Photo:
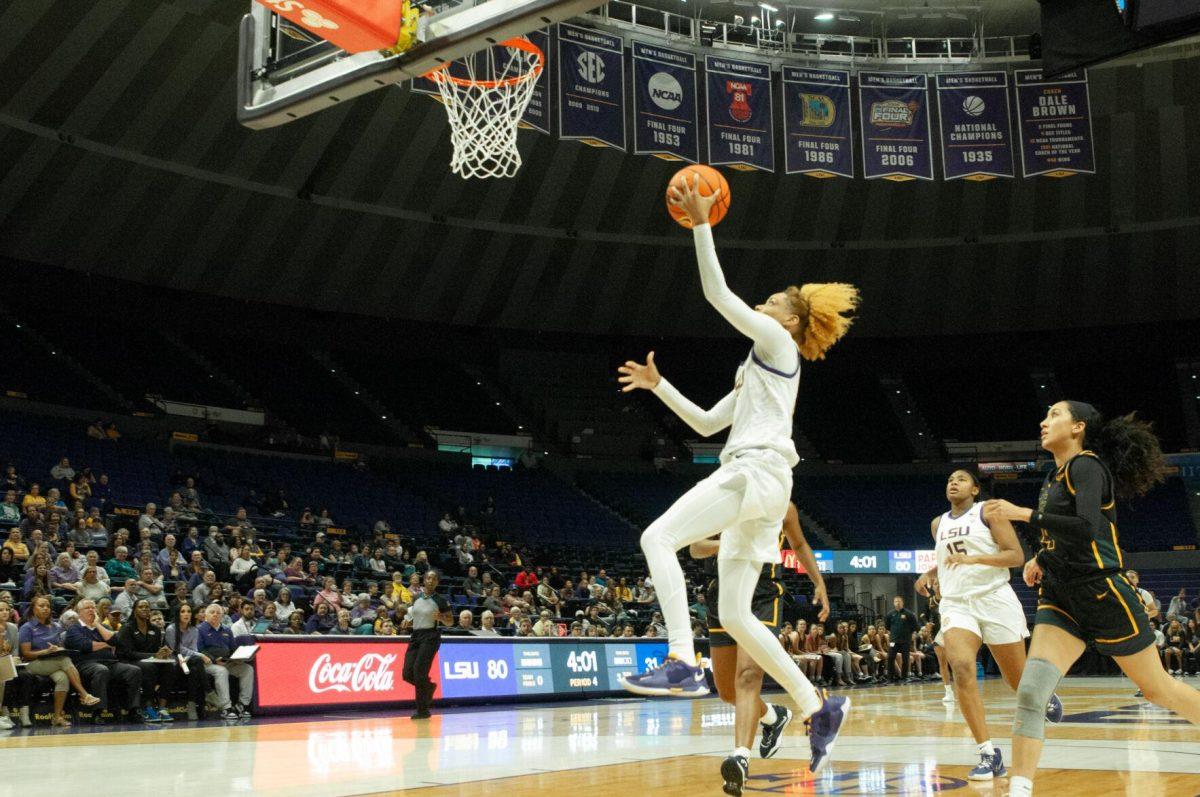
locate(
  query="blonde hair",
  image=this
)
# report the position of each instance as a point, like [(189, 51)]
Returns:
[(823, 309)]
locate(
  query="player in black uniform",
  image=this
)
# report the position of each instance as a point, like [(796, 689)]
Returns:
[(1084, 595), (738, 677)]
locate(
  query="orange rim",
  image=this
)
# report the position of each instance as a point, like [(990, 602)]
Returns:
[(439, 73)]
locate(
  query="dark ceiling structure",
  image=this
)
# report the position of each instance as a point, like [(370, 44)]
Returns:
[(120, 155)]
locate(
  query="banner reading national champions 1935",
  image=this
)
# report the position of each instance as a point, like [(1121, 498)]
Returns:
[(819, 138), (664, 103), (1054, 119), (974, 120), (894, 116), (740, 113), (591, 87)]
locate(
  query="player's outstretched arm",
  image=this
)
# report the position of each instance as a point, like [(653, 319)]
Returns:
[(646, 377), (808, 560)]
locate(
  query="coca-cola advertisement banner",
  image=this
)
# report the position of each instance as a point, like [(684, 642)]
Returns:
[(346, 673)]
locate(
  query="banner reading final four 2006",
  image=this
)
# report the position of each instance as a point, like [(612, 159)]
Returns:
[(740, 114), (1055, 120), (974, 121), (591, 87), (816, 122), (664, 103), (894, 114)]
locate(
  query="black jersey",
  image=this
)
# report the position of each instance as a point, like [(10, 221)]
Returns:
[(1077, 518), (770, 572)]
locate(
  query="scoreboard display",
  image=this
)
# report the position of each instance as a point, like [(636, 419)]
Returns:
[(898, 563)]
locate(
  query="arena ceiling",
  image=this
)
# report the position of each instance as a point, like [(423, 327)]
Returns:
[(120, 155)]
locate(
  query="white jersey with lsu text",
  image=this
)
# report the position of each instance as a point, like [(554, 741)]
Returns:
[(967, 534), (764, 402)]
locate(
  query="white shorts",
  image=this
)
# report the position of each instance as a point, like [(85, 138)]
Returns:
[(765, 481), (997, 617)]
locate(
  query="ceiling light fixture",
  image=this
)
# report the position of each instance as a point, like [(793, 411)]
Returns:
[(768, 7), (824, 16)]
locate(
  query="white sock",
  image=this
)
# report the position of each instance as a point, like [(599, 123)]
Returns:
[(744, 752), (770, 717), (1020, 787), (986, 748)]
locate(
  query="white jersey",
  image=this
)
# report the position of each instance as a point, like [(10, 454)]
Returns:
[(764, 401), (967, 534)]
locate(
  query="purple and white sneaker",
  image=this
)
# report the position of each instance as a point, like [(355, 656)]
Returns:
[(673, 678), (823, 730)]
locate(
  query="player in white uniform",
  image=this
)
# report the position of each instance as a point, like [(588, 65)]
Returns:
[(745, 499), (978, 606)]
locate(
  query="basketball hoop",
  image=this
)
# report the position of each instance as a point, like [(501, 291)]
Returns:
[(486, 106)]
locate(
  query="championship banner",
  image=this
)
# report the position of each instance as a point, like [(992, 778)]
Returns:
[(894, 116), (975, 124), (537, 113), (1054, 119), (740, 114), (591, 87), (664, 103), (816, 123)]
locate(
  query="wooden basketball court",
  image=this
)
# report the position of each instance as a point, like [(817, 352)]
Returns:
[(901, 740)]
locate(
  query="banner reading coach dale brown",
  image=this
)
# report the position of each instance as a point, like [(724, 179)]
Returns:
[(664, 103), (740, 114), (894, 115), (1054, 117)]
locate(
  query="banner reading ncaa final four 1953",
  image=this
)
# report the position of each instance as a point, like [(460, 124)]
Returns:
[(740, 114), (1054, 119), (664, 103), (591, 87), (537, 113), (819, 139), (894, 115), (974, 119)]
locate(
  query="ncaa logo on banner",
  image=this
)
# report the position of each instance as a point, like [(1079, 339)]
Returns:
[(590, 66), (893, 113), (819, 110), (973, 106), (739, 107), (665, 91)]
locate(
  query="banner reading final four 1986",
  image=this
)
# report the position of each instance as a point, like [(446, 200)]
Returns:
[(894, 115), (591, 87), (664, 103), (975, 125), (1054, 119), (819, 139), (740, 114)]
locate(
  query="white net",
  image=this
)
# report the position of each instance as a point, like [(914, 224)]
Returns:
[(485, 99)]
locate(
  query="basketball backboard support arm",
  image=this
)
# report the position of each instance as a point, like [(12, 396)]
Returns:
[(266, 100)]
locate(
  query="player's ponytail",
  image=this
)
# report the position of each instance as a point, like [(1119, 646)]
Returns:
[(1127, 445), (824, 310)]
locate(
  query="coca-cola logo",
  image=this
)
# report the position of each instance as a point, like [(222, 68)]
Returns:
[(371, 673)]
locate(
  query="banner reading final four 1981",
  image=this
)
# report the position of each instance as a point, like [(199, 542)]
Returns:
[(740, 114), (591, 87), (1054, 118), (664, 103), (894, 116), (819, 139), (975, 125)]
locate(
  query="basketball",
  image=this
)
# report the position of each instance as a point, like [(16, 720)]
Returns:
[(973, 106), (710, 180)]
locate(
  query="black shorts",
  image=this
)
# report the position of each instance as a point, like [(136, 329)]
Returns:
[(766, 605), (1106, 610)]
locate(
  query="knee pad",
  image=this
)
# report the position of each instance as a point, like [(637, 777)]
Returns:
[(1038, 682)]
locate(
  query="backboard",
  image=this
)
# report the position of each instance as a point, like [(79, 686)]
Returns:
[(285, 72)]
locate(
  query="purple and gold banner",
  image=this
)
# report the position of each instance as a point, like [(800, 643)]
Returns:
[(819, 138), (591, 87), (974, 119), (664, 103), (740, 114), (894, 117), (1054, 119)]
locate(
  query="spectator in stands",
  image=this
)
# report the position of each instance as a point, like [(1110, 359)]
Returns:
[(243, 569), (40, 644), (284, 607), (324, 519), (63, 575), (33, 498), (487, 624), (150, 589), (37, 582), (466, 621), (191, 496), (323, 618), (81, 535), (1178, 607), (448, 524), (1153, 607), (526, 579), (16, 544), (80, 489), (180, 594), (123, 603), (202, 592), (1172, 650), (10, 512), (193, 574), (63, 471), (12, 480), (216, 552), (182, 638), (363, 612), (545, 626), (101, 494), (494, 602), (547, 597), (307, 519), (1192, 656), (643, 593), (343, 626), (464, 554), (421, 564), (150, 520), (54, 500), (246, 622), (472, 586), (376, 564), (524, 627), (37, 539), (10, 568), (22, 684), (216, 645), (96, 659), (192, 542), (141, 639), (91, 587)]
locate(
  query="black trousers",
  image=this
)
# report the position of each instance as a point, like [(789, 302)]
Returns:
[(99, 675), (193, 682), (418, 661), (155, 681), (902, 648), (19, 692)]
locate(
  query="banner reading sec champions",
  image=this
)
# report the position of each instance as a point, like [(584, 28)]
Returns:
[(818, 137), (591, 87), (664, 103), (537, 113), (1054, 119), (894, 116), (976, 132), (740, 114)]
